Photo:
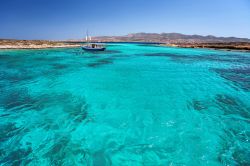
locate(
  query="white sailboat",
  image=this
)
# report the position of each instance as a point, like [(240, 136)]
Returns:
[(92, 46)]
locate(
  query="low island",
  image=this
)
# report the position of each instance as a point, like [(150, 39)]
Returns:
[(34, 44)]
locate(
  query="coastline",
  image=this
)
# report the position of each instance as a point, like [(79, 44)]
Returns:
[(233, 46), (36, 47), (44, 44), (35, 44)]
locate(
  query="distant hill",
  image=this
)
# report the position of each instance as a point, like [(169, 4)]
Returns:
[(174, 38)]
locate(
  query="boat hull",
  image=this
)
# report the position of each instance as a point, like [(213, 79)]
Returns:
[(93, 49)]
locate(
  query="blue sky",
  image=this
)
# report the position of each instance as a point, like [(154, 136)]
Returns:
[(69, 19)]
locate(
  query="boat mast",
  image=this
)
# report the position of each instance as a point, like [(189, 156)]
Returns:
[(87, 36)]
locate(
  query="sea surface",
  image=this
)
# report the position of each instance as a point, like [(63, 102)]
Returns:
[(132, 105)]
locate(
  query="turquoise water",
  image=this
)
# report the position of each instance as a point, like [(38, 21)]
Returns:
[(131, 105)]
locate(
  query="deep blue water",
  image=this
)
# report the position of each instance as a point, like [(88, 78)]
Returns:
[(130, 105)]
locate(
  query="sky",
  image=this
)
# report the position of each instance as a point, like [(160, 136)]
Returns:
[(69, 19)]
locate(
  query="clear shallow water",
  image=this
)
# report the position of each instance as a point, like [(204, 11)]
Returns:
[(131, 105)]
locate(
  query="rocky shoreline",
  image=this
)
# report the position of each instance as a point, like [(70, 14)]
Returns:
[(35, 44), (239, 46)]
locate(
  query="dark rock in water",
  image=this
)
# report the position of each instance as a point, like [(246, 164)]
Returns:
[(4, 56), (7, 131), (100, 62), (17, 76), (99, 158), (240, 77), (59, 66), (242, 156), (184, 58), (165, 55), (75, 107), (231, 153), (112, 52), (235, 133), (58, 147), (16, 98), (236, 59), (17, 157), (225, 99), (62, 149), (47, 59), (231, 105), (77, 110), (198, 105), (57, 152)]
